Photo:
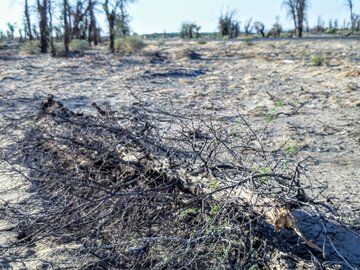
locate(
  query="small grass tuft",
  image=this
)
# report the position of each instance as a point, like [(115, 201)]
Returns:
[(291, 151), (318, 60), (214, 184)]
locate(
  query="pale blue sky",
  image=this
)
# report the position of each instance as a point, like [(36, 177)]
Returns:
[(150, 16)]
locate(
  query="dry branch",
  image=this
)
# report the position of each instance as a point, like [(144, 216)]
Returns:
[(143, 188)]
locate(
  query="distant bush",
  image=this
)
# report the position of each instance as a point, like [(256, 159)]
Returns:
[(318, 60), (31, 47), (202, 42), (129, 45), (330, 31), (228, 25), (190, 30), (79, 45)]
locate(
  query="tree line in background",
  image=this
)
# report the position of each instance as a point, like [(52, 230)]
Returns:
[(70, 20), (75, 20)]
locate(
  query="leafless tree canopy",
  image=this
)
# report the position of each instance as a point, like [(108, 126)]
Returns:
[(350, 5), (297, 11)]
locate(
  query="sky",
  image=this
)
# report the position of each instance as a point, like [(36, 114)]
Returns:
[(149, 16)]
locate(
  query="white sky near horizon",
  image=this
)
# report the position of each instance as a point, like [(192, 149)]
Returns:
[(149, 16)]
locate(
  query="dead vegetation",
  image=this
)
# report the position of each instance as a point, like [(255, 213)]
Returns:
[(144, 188)]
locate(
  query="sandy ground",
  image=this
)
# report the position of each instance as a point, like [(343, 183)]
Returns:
[(273, 83)]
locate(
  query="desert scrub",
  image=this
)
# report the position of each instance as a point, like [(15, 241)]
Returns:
[(79, 45), (129, 45), (318, 60), (31, 47)]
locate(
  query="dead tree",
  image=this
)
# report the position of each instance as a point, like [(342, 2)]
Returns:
[(52, 46), (132, 193), (28, 21), (290, 5), (78, 17), (350, 5), (42, 6), (111, 16), (111, 8), (247, 27), (66, 27), (260, 28), (297, 11), (92, 35)]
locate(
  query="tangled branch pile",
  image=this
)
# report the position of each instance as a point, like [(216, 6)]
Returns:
[(144, 189)]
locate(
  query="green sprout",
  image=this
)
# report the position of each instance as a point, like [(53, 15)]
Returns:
[(270, 118), (278, 104), (214, 210), (214, 184), (264, 170), (291, 150), (187, 212)]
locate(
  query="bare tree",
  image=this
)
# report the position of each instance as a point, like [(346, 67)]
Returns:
[(11, 30), (110, 11), (248, 27), (66, 26), (28, 21), (42, 6), (297, 11), (124, 19), (259, 27), (290, 6), (79, 15), (52, 46), (111, 8), (350, 6), (92, 35)]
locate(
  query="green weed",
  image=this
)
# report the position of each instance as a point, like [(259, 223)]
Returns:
[(214, 210), (187, 212), (214, 184), (291, 151), (318, 60)]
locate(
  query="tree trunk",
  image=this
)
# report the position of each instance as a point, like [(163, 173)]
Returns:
[(53, 50), (28, 22), (66, 27), (350, 4), (92, 36), (44, 29), (300, 12), (112, 31), (110, 15)]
